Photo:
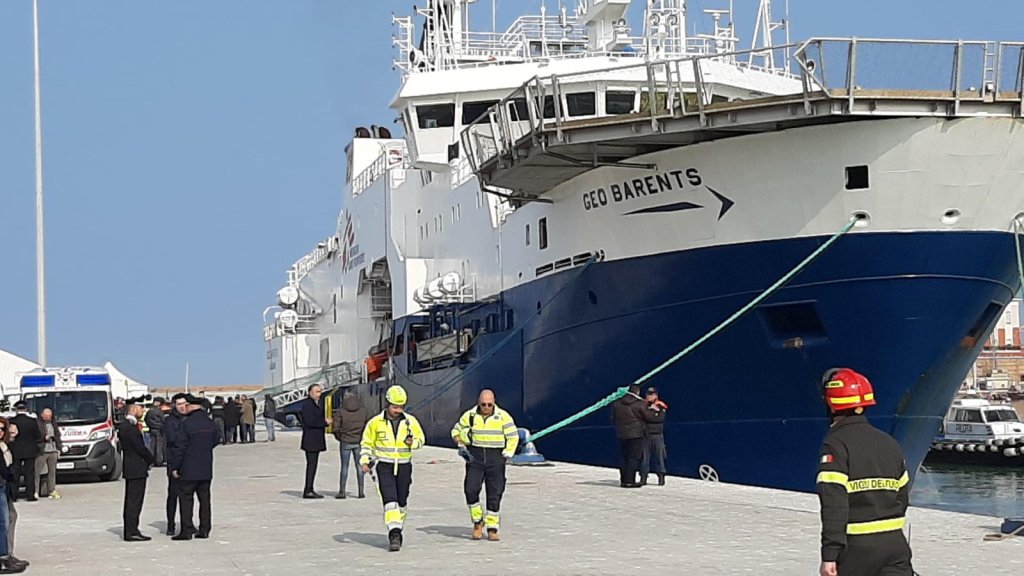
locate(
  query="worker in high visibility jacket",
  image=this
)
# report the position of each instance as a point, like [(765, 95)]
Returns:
[(388, 441), (863, 486), (487, 438)]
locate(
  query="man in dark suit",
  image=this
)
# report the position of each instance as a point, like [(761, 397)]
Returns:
[(314, 440), (25, 449), (136, 461), (191, 462), (172, 428)]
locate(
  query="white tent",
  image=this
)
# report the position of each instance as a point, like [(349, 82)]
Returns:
[(123, 386), (12, 366)]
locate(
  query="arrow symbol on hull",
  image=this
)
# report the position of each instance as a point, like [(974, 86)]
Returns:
[(726, 203)]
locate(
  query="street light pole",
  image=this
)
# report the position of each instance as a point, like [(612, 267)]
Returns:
[(40, 263)]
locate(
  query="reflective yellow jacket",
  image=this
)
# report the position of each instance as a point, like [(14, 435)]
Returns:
[(380, 443), (494, 431)]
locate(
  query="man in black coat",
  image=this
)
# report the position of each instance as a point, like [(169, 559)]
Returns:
[(136, 461), (192, 463), (314, 441), (172, 429), (155, 421), (25, 449), (628, 418)]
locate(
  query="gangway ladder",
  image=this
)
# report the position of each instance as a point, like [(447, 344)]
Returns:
[(990, 82)]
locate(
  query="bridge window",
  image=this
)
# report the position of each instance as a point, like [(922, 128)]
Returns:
[(619, 102), (473, 111), (518, 110), (436, 116), (581, 103)]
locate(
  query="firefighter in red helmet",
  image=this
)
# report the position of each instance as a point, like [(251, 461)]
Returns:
[(863, 486)]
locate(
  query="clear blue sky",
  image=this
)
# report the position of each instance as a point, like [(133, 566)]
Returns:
[(195, 149)]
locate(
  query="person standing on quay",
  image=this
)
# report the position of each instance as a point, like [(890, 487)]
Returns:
[(192, 463), (314, 440), (136, 462)]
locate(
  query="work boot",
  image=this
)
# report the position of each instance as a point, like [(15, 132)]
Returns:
[(643, 480), (661, 479), (17, 562), (394, 540), (340, 496), (171, 529), (492, 534), (478, 530)]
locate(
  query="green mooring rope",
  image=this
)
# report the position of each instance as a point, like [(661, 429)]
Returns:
[(1017, 228), (619, 393)]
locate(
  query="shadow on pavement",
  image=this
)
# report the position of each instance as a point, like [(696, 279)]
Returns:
[(374, 540), (460, 532)]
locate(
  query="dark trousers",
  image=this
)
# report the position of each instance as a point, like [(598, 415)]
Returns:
[(654, 453), (394, 487), (312, 460), (189, 491), (486, 469), (220, 430), (173, 497), (630, 453), (26, 466), (886, 554), (230, 434), (134, 494), (157, 445)]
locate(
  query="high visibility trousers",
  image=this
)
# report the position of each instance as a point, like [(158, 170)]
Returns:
[(884, 554), (394, 492), (484, 470)]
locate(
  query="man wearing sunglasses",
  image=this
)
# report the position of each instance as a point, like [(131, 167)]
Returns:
[(489, 436)]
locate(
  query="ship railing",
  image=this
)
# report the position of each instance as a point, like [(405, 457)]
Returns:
[(303, 265), (952, 71), (391, 156), (678, 87), (854, 72)]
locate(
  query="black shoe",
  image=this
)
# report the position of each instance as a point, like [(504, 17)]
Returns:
[(312, 495), (643, 480), (137, 538), (629, 485), (202, 535), (33, 499), (18, 563), (8, 567), (661, 479), (394, 540), (171, 529), (361, 495), (184, 535), (340, 496)]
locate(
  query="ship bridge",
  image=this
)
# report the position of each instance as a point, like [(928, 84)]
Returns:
[(537, 137)]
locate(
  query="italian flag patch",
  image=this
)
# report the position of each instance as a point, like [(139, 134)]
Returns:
[(827, 459)]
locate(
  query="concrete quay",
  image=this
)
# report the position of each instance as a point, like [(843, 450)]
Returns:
[(563, 519)]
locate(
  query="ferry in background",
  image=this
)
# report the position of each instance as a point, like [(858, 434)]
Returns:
[(573, 202)]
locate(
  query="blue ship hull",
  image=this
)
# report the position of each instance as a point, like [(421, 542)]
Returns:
[(909, 310)]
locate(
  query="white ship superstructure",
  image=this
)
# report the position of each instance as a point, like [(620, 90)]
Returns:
[(572, 203)]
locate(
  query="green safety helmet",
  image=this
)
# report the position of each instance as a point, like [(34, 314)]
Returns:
[(396, 395)]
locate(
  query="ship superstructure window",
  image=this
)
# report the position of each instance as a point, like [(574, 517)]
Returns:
[(527, 234), (581, 103), (473, 111), (856, 177), (436, 116), (542, 233), (619, 102), (518, 110), (549, 107)]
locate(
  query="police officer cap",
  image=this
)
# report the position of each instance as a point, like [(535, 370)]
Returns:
[(20, 405), (193, 399), (652, 390)]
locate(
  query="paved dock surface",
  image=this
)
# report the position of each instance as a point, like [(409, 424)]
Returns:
[(560, 520)]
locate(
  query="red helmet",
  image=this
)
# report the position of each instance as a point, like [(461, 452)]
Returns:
[(846, 390)]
